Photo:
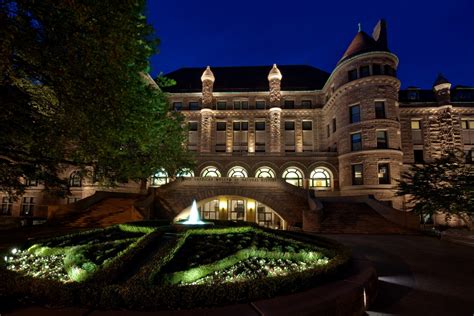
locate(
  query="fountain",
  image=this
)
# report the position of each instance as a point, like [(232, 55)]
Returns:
[(193, 218)]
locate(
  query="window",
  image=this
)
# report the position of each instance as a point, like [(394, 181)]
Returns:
[(389, 71), (415, 124), (259, 126), (328, 130), (289, 104), (376, 69), (352, 74), (418, 156), (354, 113), (27, 206), (379, 109), (7, 205), (193, 126), (320, 178), (185, 173), (413, 95), (241, 105), (364, 71), (159, 178), (31, 182), (260, 105), (289, 136), (384, 173), (306, 104), (356, 142), (293, 176), (210, 171), (210, 210), (221, 126), (357, 174), (289, 126), (194, 106), (334, 125), (75, 180), (221, 105), (237, 210), (468, 155), (307, 125), (237, 172), (177, 106), (467, 123), (260, 136), (265, 172), (240, 136), (382, 142)]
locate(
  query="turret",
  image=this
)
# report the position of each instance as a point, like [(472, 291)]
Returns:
[(442, 90), (207, 80), (274, 81)]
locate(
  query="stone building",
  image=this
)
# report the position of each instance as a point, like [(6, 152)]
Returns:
[(350, 132)]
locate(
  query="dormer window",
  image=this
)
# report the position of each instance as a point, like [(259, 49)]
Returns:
[(413, 95), (352, 74)]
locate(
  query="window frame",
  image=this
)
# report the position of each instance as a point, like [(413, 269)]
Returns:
[(353, 147)]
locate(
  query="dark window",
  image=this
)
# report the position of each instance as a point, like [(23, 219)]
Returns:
[(27, 206), (244, 105), (376, 69), (194, 106), (221, 105), (418, 155), (328, 130), (352, 74), (307, 125), (333, 125), (382, 142), (306, 104), (259, 126), (357, 174), (193, 126), (260, 105), (220, 126), (413, 95), (384, 173), (379, 110), (177, 106), (469, 155), (389, 71), (31, 182), (289, 104), (354, 113), (7, 206), (364, 71), (75, 180), (289, 126), (241, 126), (237, 105), (356, 142)]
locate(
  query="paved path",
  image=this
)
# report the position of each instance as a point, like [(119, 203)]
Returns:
[(418, 275)]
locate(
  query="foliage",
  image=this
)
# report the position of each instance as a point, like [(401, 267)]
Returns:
[(74, 92), (444, 185)]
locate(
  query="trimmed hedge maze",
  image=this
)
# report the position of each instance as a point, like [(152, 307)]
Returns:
[(149, 265)]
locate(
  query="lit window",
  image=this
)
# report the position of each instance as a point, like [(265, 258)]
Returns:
[(237, 172), (384, 173), (75, 180), (293, 176), (159, 178), (354, 113), (357, 174), (413, 95), (210, 171), (265, 172), (186, 172), (221, 126), (467, 124), (415, 124), (320, 178), (418, 156), (356, 142), (27, 206)]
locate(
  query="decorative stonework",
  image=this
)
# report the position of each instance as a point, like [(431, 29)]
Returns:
[(207, 79), (444, 134), (274, 80), (206, 130), (275, 133)]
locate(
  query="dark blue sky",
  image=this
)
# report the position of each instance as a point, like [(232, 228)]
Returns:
[(428, 36)]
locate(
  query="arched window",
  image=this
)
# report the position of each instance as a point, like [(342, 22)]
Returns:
[(237, 172), (293, 176), (186, 172), (210, 171), (320, 178), (159, 178), (265, 172), (75, 180)]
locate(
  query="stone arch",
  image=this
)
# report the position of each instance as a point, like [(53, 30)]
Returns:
[(296, 164), (324, 164), (234, 164), (203, 165), (265, 164)]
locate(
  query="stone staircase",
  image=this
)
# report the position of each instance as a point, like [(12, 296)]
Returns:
[(351, 217), (107, 212)]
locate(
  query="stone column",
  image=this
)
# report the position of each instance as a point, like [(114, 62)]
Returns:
[(274, 81), (206, 130)]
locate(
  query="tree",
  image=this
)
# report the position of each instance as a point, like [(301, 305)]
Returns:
[(445, 185), (73, 92)]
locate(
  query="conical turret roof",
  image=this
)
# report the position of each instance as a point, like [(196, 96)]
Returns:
[(440, 80), (208, 75), (361, 43), (274, 73)]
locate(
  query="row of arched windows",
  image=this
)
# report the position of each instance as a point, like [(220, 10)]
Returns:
[(319, 178)]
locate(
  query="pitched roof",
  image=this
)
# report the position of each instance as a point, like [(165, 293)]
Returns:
[(361, 43), (248, 78)]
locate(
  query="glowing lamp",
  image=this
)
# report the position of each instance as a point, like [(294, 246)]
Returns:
[(251, 205), (222, 205)]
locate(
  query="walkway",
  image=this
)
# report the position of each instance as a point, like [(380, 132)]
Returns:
[(418, 275)]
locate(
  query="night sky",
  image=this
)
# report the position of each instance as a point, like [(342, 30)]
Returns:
[(427, 36)]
